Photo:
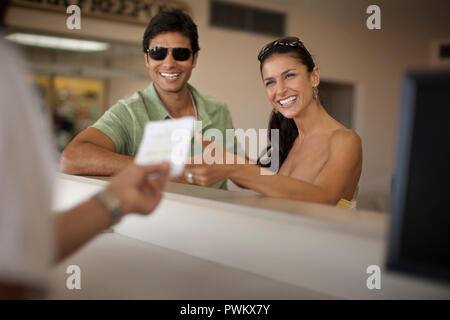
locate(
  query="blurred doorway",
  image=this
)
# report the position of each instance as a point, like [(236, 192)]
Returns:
[(338, 99)]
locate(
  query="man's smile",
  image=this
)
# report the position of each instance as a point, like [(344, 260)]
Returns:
[(170, 75)]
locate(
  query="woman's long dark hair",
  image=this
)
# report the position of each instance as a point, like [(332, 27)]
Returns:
[(288, 131)]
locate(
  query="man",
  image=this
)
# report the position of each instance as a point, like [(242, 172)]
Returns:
[(30, 239), (171, 50)]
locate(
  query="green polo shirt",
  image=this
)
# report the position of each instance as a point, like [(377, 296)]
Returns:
[(124, 122)]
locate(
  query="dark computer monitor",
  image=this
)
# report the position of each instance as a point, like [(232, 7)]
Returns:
[(419, 237)]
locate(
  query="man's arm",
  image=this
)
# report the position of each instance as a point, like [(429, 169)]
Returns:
[(12, 291), (139, 189), (92, 152), (19, 291)]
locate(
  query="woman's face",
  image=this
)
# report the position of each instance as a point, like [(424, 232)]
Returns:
[(289, 85)]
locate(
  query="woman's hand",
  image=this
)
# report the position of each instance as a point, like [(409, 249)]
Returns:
[(207, 174), (213, 165)]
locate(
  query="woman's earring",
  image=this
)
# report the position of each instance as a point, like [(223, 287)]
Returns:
[(315, 93), (275, 111)]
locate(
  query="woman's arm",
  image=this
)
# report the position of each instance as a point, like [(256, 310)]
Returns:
[(328, 187)]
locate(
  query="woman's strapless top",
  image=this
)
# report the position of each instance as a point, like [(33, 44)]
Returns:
[(343, 203), (346, 204)]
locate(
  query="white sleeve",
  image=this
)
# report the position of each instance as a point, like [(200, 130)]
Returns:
[(26, 175)]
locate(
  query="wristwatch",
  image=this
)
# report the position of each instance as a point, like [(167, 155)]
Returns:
[(111, 203)]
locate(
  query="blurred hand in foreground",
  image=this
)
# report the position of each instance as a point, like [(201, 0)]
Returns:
[(139, 188)]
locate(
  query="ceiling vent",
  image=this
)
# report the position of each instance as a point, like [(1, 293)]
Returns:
[(245, 18)]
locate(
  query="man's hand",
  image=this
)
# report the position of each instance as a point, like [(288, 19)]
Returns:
[(139, 188)]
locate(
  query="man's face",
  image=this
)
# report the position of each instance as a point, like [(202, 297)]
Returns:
[(170, 75)]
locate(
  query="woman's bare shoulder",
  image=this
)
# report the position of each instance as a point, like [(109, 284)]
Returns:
[(345, 139)]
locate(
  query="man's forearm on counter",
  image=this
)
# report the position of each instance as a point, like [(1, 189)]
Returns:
[(89, 159)]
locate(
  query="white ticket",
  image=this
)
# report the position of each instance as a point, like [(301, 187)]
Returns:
[(166, 140)]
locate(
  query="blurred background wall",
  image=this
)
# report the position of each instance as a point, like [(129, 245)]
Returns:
[(358, 66)]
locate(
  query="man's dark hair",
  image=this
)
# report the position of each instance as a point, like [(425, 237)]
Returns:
[(171, 21)]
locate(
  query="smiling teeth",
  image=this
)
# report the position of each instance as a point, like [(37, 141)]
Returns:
[(288, 100), (170, 75)]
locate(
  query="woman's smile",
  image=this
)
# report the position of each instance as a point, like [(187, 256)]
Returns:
[(287, 102)]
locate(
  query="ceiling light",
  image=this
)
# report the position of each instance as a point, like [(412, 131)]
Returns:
[(57, 42)]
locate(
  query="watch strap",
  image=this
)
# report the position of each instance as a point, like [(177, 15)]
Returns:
[(111, 203)]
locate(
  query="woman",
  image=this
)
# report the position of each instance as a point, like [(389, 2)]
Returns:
[(320, 160)]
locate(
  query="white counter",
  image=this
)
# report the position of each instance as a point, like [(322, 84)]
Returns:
[(202, 243)]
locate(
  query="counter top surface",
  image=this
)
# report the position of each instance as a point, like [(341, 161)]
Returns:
[(365, 223), (217, 244), (147, 271)]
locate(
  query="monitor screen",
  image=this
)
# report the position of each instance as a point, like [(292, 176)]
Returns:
[(419, 238)]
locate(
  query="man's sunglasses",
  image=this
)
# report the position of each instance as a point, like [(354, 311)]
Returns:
[(178, 53), (286, 41)]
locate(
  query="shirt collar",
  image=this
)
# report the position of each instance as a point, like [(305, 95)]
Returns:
[(157, 110), (154, 105)]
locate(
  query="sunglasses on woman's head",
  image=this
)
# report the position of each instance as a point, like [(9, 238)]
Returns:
[(178, 53), (286, 41)]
